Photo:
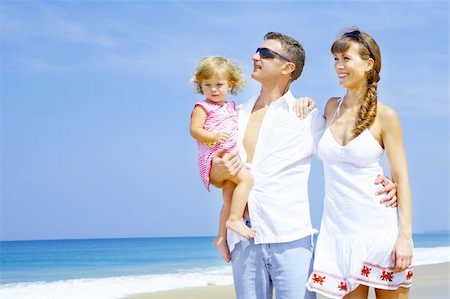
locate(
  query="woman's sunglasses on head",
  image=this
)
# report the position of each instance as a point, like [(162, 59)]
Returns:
[(266, 53), (357, 35)]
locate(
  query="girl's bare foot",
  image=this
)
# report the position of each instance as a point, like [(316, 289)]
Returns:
[(222, 245), (239, 227)]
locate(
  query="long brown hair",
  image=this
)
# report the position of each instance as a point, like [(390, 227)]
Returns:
[(368, 48)]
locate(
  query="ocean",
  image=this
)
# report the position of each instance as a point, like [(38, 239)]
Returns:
[(115, 268)]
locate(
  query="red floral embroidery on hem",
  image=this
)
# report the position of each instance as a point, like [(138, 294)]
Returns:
[(409, 275), (365, 271), (319, 279), (342, 286), (384, 268), (387, 276)]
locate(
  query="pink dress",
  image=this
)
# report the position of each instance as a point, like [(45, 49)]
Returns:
[(220, 118)]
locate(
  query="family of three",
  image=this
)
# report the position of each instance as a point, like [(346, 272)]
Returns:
[(260, 156)]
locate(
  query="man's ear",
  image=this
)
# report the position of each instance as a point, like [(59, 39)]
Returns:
[(288, 68)]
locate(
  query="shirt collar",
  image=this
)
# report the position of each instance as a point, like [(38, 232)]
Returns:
[(285, 101)]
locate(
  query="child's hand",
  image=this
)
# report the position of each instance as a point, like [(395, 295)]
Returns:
[(221, 137), (302, 106)]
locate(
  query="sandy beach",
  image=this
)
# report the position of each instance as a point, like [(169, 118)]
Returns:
[(430, 282)]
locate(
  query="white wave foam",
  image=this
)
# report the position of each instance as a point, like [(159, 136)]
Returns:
[(115, 287), (119, 287), (428, 256)]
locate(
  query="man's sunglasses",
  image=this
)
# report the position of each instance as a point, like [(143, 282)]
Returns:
[(357, 35), (269, 54)]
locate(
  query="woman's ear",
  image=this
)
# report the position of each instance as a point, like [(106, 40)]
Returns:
[(370, 63)]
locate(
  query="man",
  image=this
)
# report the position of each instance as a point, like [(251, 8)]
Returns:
[(278, 146)]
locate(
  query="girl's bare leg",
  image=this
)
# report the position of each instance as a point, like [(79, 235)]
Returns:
[(221, 240), (361, 292), (400, 293), (244, 184)]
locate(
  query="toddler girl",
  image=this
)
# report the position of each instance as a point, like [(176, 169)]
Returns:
[(214, 126)]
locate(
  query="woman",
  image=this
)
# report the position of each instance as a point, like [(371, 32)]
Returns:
[(361, 243)]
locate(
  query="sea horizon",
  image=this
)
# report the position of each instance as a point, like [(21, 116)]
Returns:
[(432, 232)]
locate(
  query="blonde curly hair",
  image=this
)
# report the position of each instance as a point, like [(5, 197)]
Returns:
[(212, 66)]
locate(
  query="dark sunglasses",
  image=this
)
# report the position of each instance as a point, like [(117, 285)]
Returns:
[(269, 54), (357, 35)]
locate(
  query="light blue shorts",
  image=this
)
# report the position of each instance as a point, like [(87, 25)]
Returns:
[(285, 267)]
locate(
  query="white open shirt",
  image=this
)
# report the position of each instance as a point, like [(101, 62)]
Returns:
[(278, 202)]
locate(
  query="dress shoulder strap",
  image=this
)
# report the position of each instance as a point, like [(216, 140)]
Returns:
[(207, 106), (337, 112)]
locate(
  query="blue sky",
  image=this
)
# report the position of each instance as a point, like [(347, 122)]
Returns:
[(96, 102)]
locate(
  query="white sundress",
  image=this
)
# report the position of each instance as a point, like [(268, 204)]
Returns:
[(357, 233)]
